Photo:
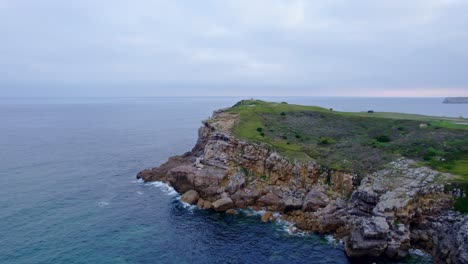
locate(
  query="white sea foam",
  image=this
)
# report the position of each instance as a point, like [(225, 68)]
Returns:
[(187, 206), (166, 188), (140, 193), (332, 240), (138, 181), (250, 212), (418, 252), (286, 226), (102, 204)]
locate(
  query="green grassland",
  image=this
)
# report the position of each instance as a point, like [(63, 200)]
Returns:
[(357, 142)]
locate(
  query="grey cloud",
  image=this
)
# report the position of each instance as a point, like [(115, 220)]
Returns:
[(312, 47)]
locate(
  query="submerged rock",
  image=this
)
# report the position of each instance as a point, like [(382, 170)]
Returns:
[(231, 212), (267, 217)]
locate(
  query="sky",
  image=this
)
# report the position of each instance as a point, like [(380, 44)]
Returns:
[(233, 48)]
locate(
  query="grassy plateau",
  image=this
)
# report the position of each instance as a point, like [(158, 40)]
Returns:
[(358, 142)]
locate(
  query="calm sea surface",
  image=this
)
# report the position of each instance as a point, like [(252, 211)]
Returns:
[(68, 192)]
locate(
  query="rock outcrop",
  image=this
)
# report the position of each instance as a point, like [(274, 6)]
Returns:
[(386, 213)]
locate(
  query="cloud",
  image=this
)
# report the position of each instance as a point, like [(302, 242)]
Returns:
[(310, 46)]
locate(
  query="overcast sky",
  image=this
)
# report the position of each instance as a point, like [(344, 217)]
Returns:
[(233, 47)]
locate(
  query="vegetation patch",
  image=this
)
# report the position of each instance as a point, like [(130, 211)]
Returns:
[(358, 142)]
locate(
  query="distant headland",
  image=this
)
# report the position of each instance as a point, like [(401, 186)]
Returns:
[(456, 100)]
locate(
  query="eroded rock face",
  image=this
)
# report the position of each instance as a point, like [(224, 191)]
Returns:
[(389, 212)]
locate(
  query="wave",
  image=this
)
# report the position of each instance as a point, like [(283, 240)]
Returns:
[(185, 205), (102, 204), (166, 188)]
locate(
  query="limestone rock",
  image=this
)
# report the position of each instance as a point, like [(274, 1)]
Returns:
[(267, 217), (369, 238), (314, 200), (269, 199), (207, 205), (223, 204), (190, 197), (200, 203), (236, 182), (291, 203)]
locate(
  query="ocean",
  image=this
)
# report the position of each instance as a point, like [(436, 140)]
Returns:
[(69, 194)]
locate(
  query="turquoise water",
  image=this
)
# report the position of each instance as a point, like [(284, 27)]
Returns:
[(69, 195)]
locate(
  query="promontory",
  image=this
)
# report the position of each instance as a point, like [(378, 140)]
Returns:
[(383, 183), (456, 100)]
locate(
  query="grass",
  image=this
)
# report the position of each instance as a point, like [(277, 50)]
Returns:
[(357, 142)]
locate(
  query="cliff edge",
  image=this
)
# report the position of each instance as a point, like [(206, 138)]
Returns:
[(282, 158)]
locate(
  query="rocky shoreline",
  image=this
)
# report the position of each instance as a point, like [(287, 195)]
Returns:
[(384, 214)]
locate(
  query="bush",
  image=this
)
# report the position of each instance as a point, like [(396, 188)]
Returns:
[(430, 153), (259, 129), (263, 177), (326, 141), (383, 139), (262, 134), (283, 113)]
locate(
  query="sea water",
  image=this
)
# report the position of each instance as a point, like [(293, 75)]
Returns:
[(68, 192)]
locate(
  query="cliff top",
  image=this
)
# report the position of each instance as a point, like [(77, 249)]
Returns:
[(353, 141)]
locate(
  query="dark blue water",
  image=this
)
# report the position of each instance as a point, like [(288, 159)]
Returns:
[(68, 192)]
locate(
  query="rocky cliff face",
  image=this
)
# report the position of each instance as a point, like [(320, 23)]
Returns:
[(390, 211)]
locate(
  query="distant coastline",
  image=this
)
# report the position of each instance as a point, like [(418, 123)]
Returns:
[(455, 100)]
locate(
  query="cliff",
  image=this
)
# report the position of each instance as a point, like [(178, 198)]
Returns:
[(379, 211)]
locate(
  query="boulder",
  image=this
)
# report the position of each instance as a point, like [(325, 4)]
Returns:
[(269, 199), (207, 205), (245, 197), (291, 203), (267, 217), (368, 238), (314, 200), (223, 204), (200, 203), (190, 197)]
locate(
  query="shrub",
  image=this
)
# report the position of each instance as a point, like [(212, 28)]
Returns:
[(326, 140), (262, 134), (283, 113), (263, 177), (431, 152), (259, 129), (383, 139)]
